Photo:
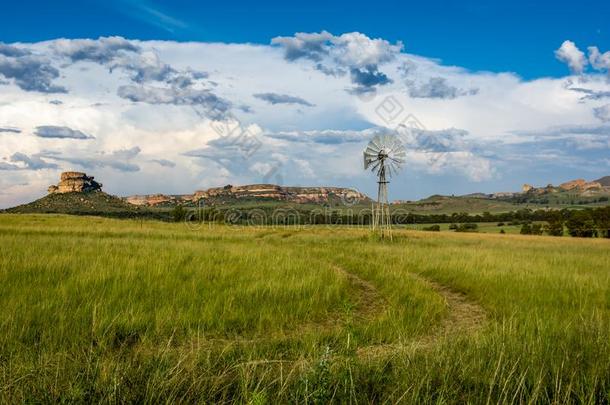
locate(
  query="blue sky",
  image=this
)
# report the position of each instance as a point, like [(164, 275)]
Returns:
[(502, 36), (173, 97)]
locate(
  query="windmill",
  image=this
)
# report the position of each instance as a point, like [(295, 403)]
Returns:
[(384, 155)]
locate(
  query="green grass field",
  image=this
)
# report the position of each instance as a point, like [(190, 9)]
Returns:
[(103, 310)]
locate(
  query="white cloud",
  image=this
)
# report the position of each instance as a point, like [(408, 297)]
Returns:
[(603, 112), (569, 53), (599, 61)]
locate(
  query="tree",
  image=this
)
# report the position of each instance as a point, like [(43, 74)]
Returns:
[(554, 225), (581, 224), (526, 229), (601, 218), (536, 229), (178, 213)]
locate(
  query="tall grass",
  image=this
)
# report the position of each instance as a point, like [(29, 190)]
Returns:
[(100, 310)]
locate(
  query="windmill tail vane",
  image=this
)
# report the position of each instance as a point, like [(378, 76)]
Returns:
[(384, 156)]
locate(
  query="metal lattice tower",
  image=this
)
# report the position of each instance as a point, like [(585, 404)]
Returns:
[(384, 155)]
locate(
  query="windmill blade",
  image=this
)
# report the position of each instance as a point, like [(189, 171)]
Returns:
[(376, 165), (376, 142), (371, 151), (400, 151), (388, 167), (395, 166), (397, 160), (399, 148), (396, 146), (368, 160)]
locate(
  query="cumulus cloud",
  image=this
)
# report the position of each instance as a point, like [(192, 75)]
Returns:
[(569, 53), (12, 51), (117, 160), (30, 72), (10, 130), (52, 131), (357, 50), (25, 162), (568, 137), (213, 106), (476, 168), (436, 87), (275, 98), (313, 46), (7, 166), (328, 136), (603, 113), (33, 162), (164, 162), (443, 140), (335, 55), (144, 65), (591, 94), (101, 50), (368, 77), (567, 130), (599, 61)]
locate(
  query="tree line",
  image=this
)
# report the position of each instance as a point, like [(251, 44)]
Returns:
[(588, 222)]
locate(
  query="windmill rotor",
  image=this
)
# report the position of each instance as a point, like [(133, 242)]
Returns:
[(384, 156)]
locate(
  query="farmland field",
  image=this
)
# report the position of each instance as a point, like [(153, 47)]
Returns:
[(107, 310)]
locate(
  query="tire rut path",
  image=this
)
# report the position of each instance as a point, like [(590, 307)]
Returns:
[(464, 317)]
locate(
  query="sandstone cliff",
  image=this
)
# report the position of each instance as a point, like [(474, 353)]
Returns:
[(580, 184), (300, 195), (75, 182)]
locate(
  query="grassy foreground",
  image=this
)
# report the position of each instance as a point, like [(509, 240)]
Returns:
[(102, 310)]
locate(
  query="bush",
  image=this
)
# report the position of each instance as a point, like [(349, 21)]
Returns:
[(581, 224), (178, 213), (502, 231), (433, 228), (453, 227), (500, 223), (601, 218), (554, 226), (526, 229), (468, 227), (536, 229)]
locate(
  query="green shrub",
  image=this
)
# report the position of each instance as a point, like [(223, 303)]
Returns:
[(468, 227)]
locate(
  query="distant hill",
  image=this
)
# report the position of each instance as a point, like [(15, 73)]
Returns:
[(604, 181), (81, 203), (79, 194)]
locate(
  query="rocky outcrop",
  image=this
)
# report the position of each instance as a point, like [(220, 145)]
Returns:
[(75, 182), (153, 199), (300, 195), (569, 185), (580, 185)]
